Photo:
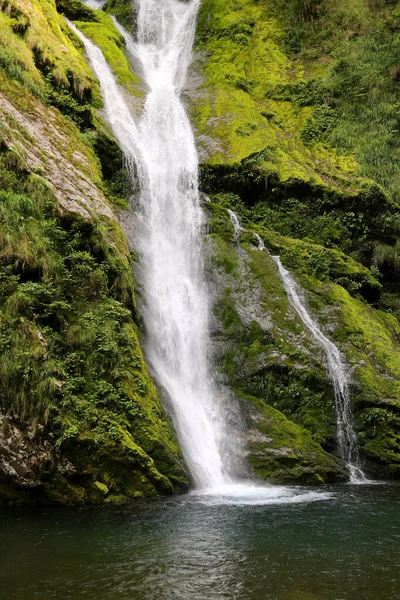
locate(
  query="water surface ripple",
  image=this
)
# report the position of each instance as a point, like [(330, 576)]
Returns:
[(196, 547)]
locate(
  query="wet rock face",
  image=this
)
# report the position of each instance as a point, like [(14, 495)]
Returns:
[(267, 355), (264, 354), (28, 464), (280, 144), (70, 174)]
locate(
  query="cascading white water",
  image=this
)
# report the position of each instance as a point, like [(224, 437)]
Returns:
[(176, 310), (118, 114), (175, 307), (161, 152), (261, 245), (237, 227), (346, 437)]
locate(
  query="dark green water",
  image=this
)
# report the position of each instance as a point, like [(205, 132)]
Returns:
[(189, 548)]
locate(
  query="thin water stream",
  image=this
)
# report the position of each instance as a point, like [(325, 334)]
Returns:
[(346, 436)]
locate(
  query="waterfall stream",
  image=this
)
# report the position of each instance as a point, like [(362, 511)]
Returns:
[(237, 227), (176, 307), (346, 437), (176, 310)]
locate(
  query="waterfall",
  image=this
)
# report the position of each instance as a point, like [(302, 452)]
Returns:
[(160, 152), (175, 307), (176, 310), (237, 227), (346, 437), (261, 245)]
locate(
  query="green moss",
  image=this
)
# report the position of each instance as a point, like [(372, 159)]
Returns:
[(125, 12), (105, 35), (282, 452), (351, 50), (70, 353), (103, 489), (35, 41), (267, 353), (265, 350), (239, 108)]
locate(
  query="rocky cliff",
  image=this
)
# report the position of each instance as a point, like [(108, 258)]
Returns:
[(295, 105)]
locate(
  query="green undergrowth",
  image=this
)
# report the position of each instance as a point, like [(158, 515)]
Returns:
[(70, 359), (351, 239), (35, 42), (304, 256), (238, 112), (349, 53)]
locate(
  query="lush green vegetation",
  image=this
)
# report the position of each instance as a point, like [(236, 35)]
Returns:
[(297, 118), (267, 353), (70, 358), (280, 143), (281, 140), (57, 74), (75, 384), (356, 91)]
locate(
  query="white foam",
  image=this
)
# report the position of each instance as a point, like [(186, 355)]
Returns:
[(253, 495)]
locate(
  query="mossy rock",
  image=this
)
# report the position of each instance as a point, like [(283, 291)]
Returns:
[(105, 35), (282, 452), (264, 351)]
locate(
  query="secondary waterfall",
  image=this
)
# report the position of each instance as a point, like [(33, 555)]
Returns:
[(261, 245), (175, 310), (237, 227), (346, 437)]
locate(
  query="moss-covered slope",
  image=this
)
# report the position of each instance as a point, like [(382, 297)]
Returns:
[(265, 353), (295, 105), (81, 420)]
